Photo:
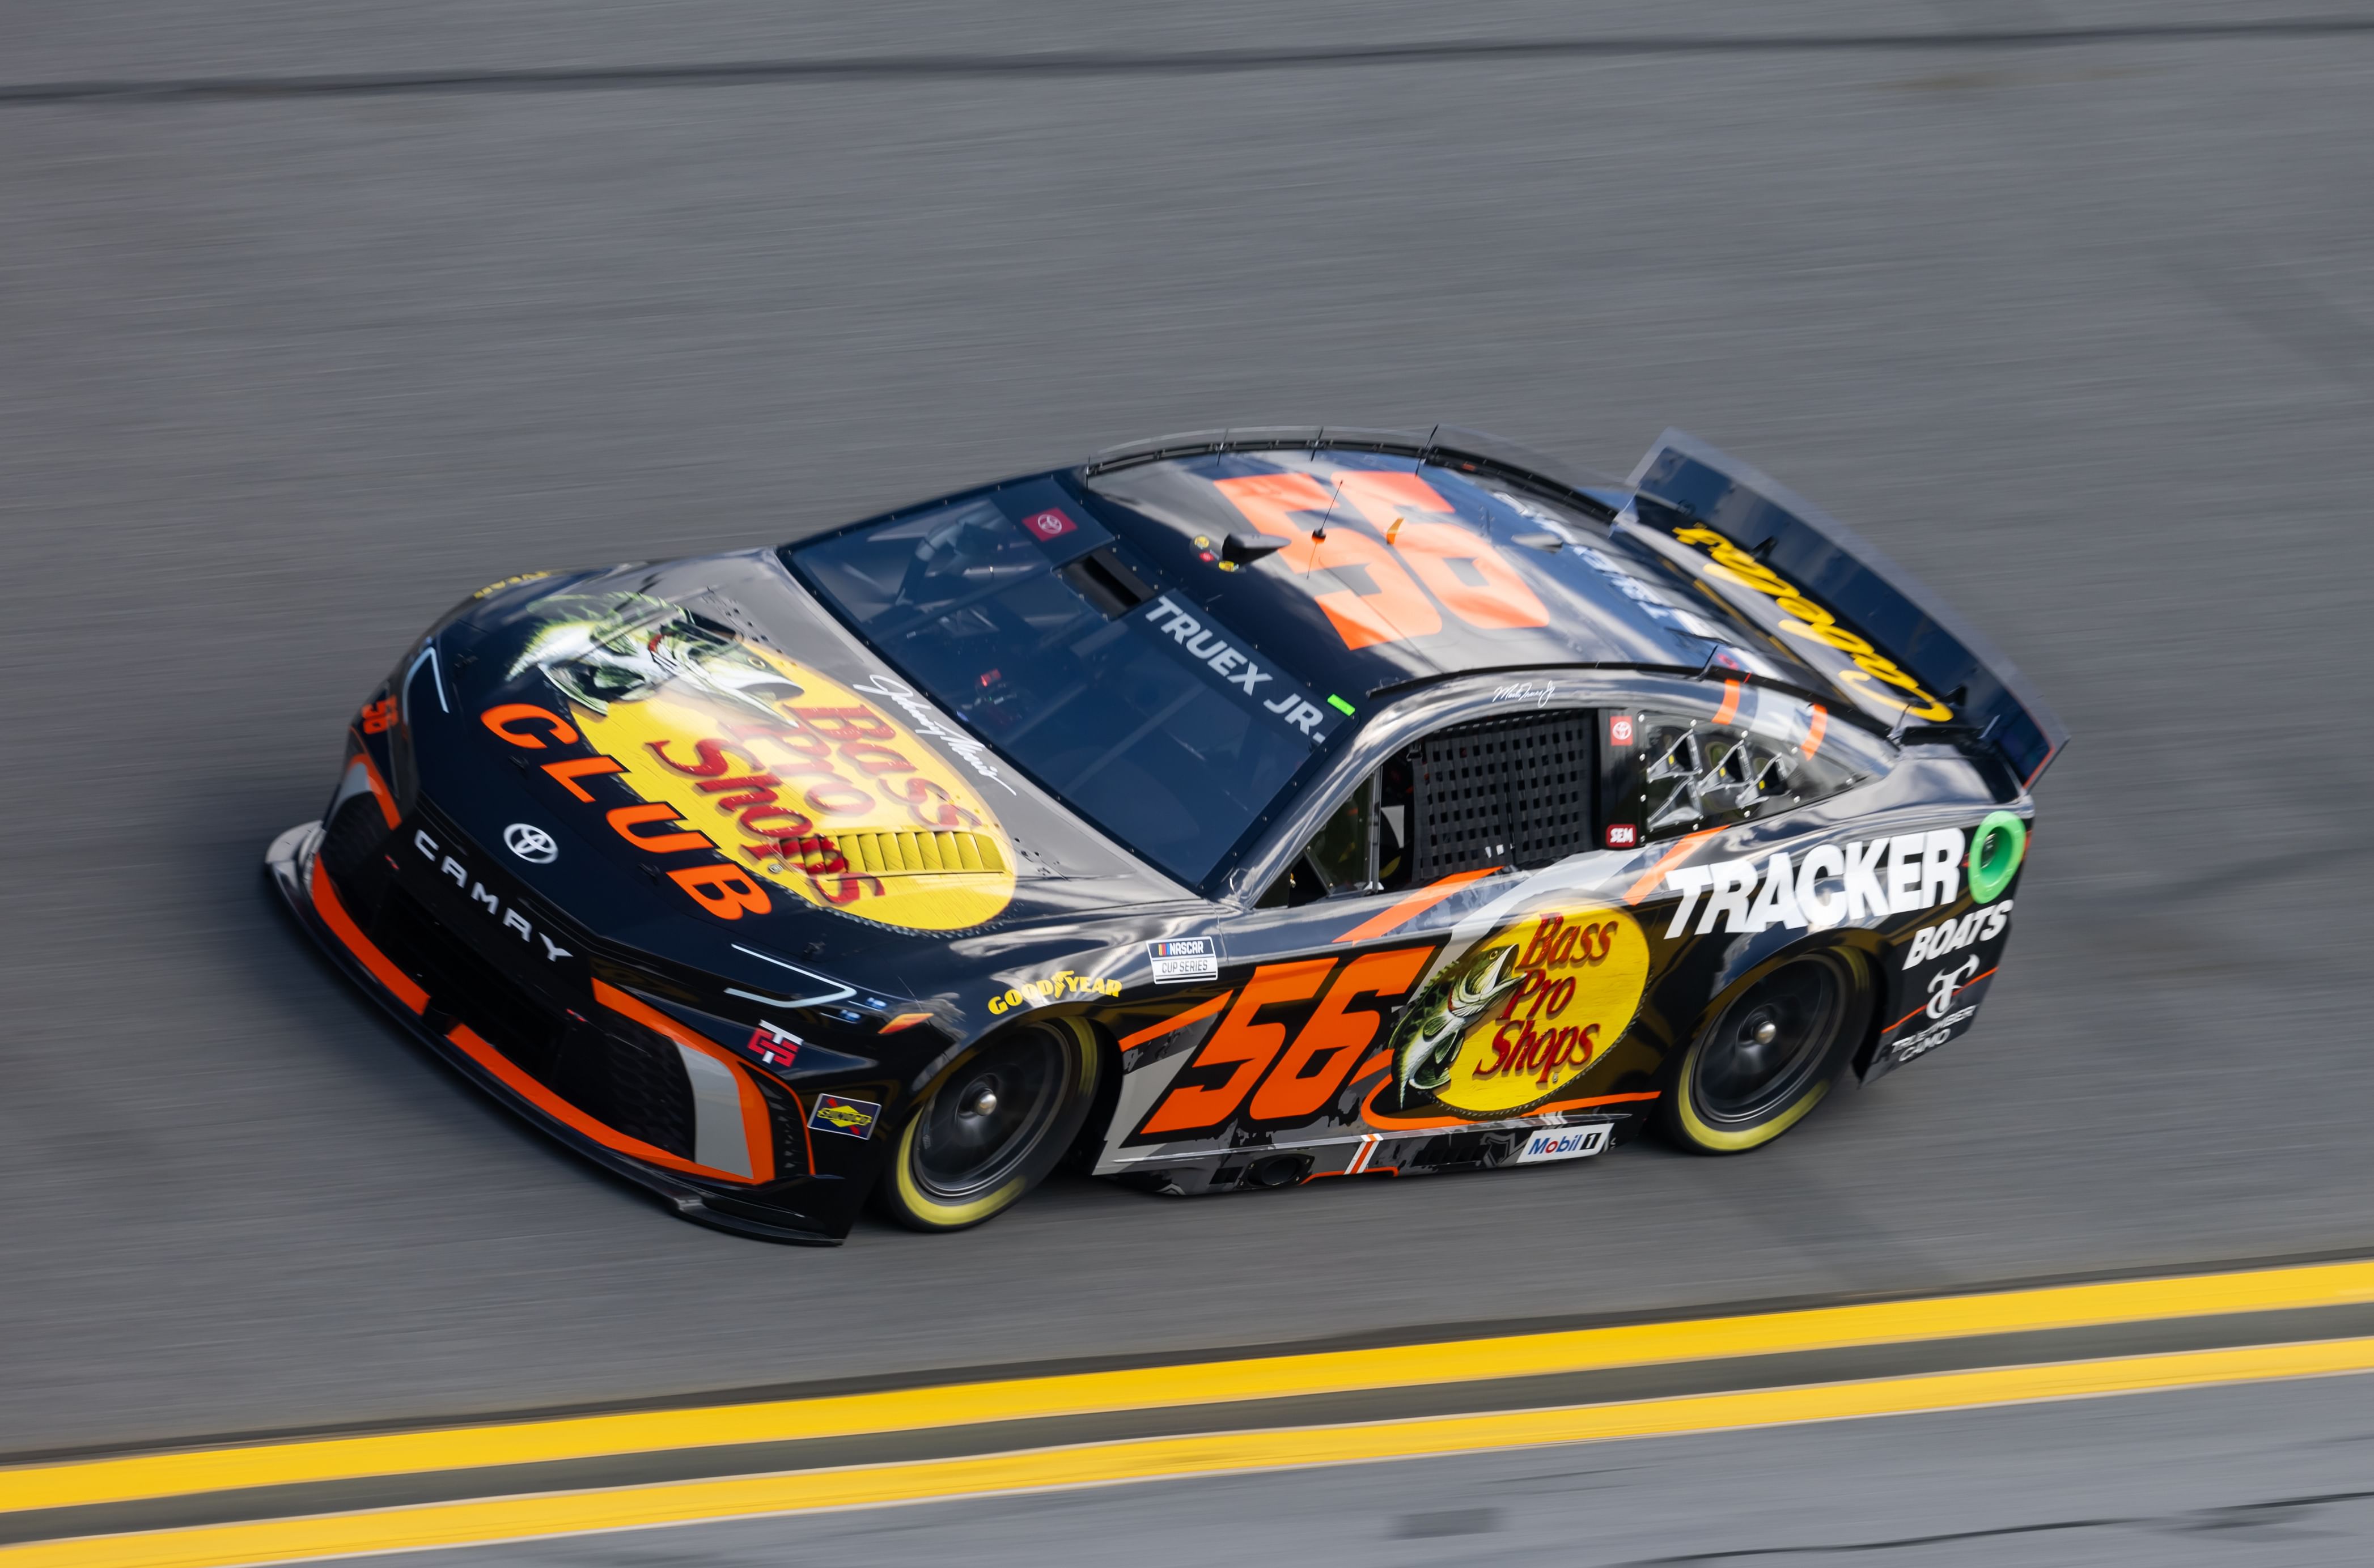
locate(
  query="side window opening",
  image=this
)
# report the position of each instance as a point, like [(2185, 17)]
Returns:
[(1496, 793), (1341, 857)]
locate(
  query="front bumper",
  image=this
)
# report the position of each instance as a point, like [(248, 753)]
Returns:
[(810, 1208)]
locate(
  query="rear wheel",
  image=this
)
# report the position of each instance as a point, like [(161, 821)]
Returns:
[(992, 1126), (1769, 1056)]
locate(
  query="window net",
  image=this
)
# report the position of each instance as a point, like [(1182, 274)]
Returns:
[(1503, 792)]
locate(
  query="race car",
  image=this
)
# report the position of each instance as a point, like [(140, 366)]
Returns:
[(1240, 809)]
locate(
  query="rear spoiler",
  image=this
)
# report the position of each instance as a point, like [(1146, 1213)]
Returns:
[(1868, 597)]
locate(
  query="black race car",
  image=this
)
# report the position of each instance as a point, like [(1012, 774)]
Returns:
[(1231, 809)]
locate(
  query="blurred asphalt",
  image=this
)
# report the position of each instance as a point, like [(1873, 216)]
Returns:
[(2272, 1476), (2083, 334)]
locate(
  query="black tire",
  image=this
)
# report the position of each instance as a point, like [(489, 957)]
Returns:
[(1770, 1054), (956, 1164)]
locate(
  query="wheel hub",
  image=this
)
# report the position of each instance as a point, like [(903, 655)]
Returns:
[(1760, 1058), (983, 1126)]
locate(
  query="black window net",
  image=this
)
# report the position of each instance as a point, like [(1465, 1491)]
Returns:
[(1502, 792)]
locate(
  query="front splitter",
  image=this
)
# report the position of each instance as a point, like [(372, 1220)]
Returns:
[(288, 863)]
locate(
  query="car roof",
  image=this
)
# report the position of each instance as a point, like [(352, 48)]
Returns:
[(1564, 585)]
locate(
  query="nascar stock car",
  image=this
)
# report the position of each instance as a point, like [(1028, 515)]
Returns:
[(1231, 809)]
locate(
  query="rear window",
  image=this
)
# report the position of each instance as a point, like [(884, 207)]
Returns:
[(1670, 774), (1053, 642)]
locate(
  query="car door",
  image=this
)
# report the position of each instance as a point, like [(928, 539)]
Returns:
[(1425, 952)]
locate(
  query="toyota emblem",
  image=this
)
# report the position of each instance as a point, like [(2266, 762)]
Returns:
[(530, 844)]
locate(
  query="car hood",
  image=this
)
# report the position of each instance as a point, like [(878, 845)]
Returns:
[(693, 758)]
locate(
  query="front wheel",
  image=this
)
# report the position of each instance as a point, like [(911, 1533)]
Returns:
[(992, 1126), (1769, 1056)]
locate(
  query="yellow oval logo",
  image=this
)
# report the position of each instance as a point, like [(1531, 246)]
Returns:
[(784, 771), (1525, 1013)]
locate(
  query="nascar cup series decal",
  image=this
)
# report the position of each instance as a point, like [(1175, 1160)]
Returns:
[(1182, 959), (1522, 1014), (801, 783)]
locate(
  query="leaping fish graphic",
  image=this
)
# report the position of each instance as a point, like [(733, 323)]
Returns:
[(1422, 1057), (610, 654)]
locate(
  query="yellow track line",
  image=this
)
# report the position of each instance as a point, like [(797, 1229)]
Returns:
[(1267, 1377), (682, 1502)]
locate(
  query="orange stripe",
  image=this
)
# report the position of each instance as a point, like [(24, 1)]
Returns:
[(1169, 1026), (561, 1111), (1412, 907), (1377, 1119), (756, 1132), (754, 1135), (1595, 1100), (380, 790), (1730, 708), (1656, 873), (1814, 728), (799, 1109), (342, 926), (1916, 1012)]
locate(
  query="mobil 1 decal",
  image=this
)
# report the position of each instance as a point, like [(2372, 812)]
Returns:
[(1509, 1025)]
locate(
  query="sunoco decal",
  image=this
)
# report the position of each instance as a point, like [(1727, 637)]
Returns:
[(852, 1118), (799, 782)]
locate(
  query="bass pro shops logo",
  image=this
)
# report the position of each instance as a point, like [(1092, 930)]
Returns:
[(742, 776), (1518, 1018)]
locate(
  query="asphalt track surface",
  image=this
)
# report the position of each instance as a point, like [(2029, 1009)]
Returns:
[(2270, 1476), (2078, 327)]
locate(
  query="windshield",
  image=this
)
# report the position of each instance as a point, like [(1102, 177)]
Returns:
[(1130, 703)]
